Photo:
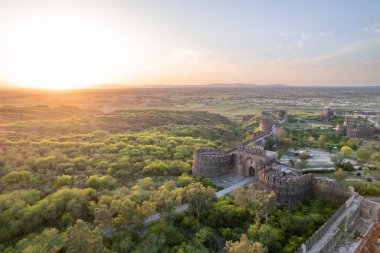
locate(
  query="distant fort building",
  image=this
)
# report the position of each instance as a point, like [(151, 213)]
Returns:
[(266, 124), (269, 119), (328, 113), (356, 128)]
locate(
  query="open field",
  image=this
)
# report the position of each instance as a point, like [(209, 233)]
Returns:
[(232, 101)]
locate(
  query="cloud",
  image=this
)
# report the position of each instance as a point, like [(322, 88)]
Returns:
[(305, 36), (376, 27), (355, 48), (300, 43)]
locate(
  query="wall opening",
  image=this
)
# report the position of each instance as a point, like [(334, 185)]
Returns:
[(251, 171)]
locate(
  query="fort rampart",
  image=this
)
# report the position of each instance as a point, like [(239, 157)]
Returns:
[(289, 190), (211, 163)]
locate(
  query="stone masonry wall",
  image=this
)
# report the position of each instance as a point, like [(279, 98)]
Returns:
[(334, 228), (289, 191), (211, 163), (325, 189)]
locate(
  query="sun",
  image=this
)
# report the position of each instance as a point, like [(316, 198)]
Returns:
[(67, 51)]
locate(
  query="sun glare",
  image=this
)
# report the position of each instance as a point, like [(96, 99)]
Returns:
[(67, 52)]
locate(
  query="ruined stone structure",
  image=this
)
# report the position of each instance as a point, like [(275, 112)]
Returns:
[(354, 228), (360, 129), (242, 160), (356, 128), (269, 119), (290, 186), (266, 122), (328, 112)]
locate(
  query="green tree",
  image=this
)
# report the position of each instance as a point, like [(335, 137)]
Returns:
[(340, 174), (245, 246), (157, 168), (337, 159), (375, 157), (303, 156), (269, 236), (103, 218), (198, 197), (353, 143), (152, 244), (101, 182), (293, 244), (365, 171), (363, 154), (167, 199), (81, 238), (346, 150), (64, 180), (50, 240), (18, 179), (258, 202), (322, 140)]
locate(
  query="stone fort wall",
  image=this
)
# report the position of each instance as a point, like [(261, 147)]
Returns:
[(214, 163), (266, 124), (363, 130), (340, 219), (211, 163), (292, 190), (289, 191), (329, 190)]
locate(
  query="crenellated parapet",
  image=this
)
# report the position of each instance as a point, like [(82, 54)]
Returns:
[(361, 130), (356, 128), (289, 189), (211, 163), (266, 124), (259, 151), (327, 189), (242, 160)]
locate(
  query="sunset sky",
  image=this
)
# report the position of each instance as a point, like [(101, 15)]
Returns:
[(77, 43)]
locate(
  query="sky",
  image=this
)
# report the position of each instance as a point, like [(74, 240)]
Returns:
[(75, 43)]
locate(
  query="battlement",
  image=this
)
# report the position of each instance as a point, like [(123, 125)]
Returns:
[(326, 189), (211, 163), (289, 189), (214, 163), (210, 152), (357, 128), (266, 124), (252, 150)]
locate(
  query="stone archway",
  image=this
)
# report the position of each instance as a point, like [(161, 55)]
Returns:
[(251, 171), (250, 167)]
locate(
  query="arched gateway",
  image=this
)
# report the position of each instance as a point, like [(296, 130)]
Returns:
[(251, 171), (243, 160)]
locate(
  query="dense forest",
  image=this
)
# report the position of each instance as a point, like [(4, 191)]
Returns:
[(75, 180)]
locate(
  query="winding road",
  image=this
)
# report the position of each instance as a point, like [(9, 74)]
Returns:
[(218, 194)]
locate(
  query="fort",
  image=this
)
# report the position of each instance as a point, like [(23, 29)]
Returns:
[(351, 229), (290, 186), (269, 119), (328, 112), (356, 128)]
